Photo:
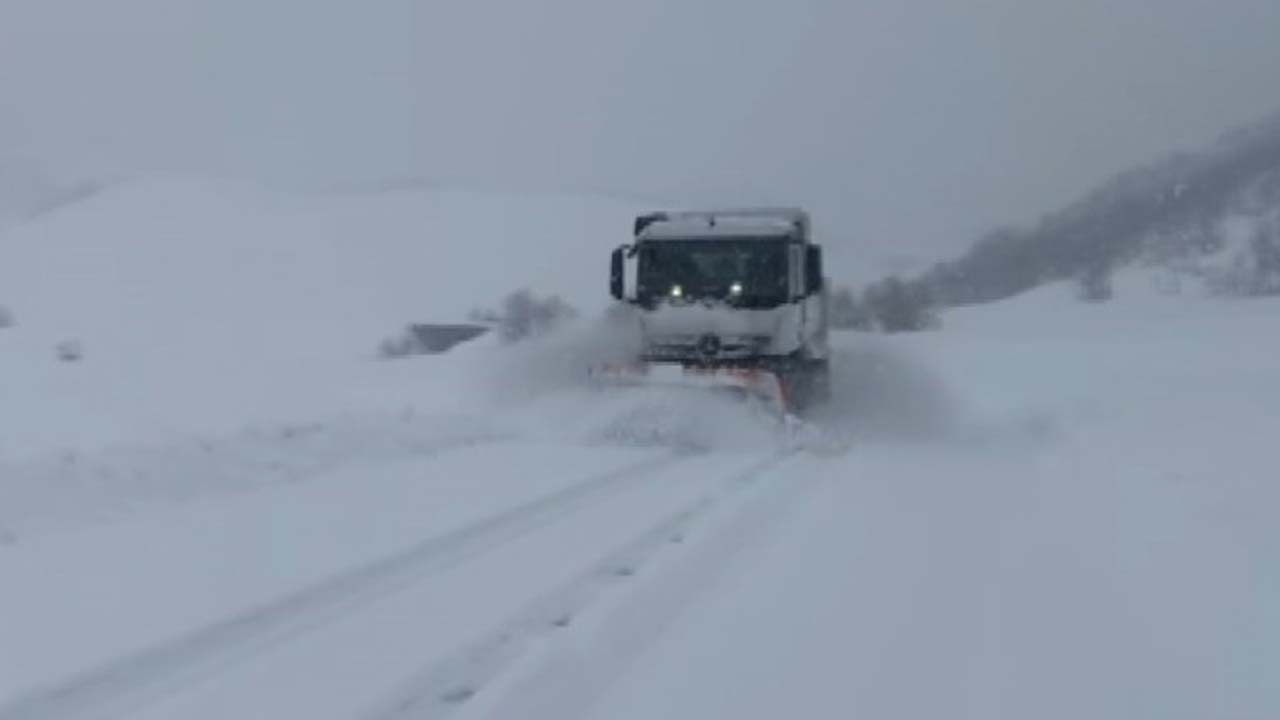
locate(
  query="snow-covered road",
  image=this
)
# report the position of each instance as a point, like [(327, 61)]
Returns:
[(149, 633)]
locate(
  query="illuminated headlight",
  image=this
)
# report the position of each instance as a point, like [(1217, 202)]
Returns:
[(677, 291), (735, 289)]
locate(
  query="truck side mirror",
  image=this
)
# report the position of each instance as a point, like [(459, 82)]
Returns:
[(616, 273), (813, 269)]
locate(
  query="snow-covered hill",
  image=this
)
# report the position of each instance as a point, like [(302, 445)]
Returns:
[(228, 507), (1206, 218), (202, 306), (27, 191)]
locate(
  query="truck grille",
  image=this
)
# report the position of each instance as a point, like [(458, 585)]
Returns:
[(707, 346)]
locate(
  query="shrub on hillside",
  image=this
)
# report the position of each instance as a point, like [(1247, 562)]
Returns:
[(1265, 246), (525, 315), (1248, 268), (848, 313), (69, 351), (1095, 284), (898, 306), (484, 316)]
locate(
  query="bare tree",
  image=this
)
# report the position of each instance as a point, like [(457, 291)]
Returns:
[(1095, 284), (848, 313), (69, 351), (525, 315), (899, 306), (1266, 258)]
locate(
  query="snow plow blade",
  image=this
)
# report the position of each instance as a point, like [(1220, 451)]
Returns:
[(758, 384)]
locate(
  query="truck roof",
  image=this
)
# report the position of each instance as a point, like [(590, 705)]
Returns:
[(782, 223), (690, 229)]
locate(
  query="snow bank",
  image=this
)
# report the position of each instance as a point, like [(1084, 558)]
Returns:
[(77, 488)]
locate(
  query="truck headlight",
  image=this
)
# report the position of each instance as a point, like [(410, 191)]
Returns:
[(735, 289), (677, 291)]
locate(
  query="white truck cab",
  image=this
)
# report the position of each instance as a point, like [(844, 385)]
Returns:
[(729, 289)]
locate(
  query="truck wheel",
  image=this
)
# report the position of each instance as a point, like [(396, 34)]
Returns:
[(808, 383), (819, 383)]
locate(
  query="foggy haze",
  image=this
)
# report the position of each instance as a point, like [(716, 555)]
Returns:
[(909, 127)]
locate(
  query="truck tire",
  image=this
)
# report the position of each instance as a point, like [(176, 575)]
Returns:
[(819, 384), (808, 384)]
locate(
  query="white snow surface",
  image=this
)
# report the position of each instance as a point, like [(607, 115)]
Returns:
[(228, 507), (200, 306)]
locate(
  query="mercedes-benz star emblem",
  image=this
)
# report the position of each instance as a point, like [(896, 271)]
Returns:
[(709, 345)]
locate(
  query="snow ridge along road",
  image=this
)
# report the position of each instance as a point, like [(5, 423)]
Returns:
[(113, 690), (449, 686)]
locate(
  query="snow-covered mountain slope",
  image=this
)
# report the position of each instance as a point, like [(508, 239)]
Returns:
[(229, 508), (1209, 217)]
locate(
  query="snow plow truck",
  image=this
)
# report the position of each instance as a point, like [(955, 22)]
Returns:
[(732, 299)]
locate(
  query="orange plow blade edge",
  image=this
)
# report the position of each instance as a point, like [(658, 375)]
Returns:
[(760, 384)]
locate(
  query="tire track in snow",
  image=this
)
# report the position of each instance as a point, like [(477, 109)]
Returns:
[(111, 690), (448, 686)]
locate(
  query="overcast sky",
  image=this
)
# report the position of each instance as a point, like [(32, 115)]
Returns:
[(907, 125)]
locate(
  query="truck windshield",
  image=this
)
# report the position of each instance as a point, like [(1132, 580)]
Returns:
[(750, 272)]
